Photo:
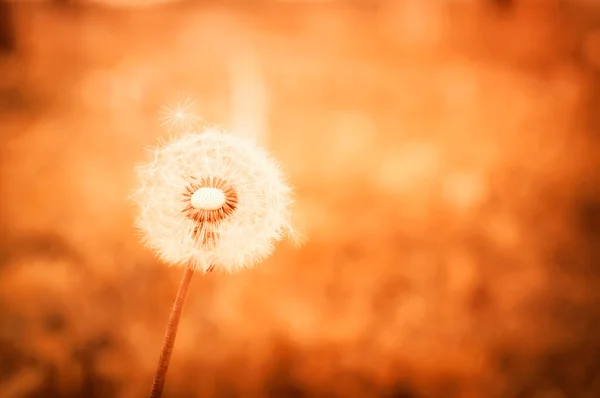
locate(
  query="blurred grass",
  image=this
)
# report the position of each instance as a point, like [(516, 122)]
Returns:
[(446, 164)]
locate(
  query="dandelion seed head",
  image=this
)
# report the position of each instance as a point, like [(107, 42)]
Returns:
[(212, 199)]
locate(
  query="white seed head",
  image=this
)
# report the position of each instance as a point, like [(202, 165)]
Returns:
[(207, 198), (212, 199)]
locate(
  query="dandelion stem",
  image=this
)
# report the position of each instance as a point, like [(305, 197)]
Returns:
[(169, 341)]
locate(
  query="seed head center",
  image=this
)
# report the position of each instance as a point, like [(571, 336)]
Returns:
[(208, 198)]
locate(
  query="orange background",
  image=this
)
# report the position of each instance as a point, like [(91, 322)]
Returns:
[(445, 159)]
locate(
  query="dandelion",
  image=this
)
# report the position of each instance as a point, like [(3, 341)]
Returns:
[(208, 201)]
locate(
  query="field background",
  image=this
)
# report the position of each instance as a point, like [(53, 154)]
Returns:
[(446, 161)]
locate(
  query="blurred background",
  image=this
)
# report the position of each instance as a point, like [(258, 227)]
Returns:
[(446, 159)]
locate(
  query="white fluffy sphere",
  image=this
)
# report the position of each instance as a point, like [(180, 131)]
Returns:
[(212, 199)]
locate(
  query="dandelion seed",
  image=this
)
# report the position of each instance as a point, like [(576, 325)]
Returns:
[(180, 116)]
